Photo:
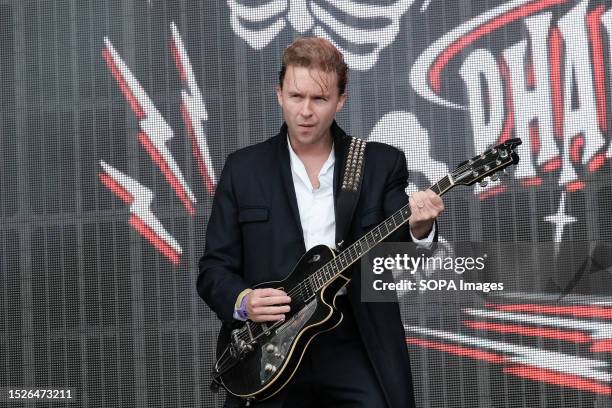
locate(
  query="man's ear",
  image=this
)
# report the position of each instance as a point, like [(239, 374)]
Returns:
[(279, 95), (341, 101)]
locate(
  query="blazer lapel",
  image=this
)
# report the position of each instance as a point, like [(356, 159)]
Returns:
[(341, 141), (340, 147)]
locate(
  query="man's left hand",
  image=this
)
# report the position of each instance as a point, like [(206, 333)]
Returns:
[(425, 206)]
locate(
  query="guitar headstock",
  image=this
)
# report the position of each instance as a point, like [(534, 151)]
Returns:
[(487, 164)]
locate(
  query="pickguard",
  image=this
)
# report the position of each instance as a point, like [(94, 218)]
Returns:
[(276, 349)]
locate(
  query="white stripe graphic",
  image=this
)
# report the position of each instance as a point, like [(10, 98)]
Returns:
[(589, 300), (549, 360), (598, 330)]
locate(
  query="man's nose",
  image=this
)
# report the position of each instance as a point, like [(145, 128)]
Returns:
[(306, 108)]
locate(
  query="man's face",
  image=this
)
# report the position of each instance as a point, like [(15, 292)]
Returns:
[(309, 99)]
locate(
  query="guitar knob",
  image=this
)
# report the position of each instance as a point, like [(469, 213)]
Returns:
[(483, 183), (270, 348), (269, 368), (494, 177)]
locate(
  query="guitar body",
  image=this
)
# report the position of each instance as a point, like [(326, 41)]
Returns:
[(277, 349)]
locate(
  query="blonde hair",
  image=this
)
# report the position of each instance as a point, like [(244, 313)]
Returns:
[(318, 53)]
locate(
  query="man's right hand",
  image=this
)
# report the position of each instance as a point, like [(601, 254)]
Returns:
[(267, 305)]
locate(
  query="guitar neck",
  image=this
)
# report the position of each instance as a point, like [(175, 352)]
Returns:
[(364, 244)]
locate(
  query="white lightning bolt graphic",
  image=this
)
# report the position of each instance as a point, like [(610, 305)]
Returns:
[(194, 111), (156, 131), (143, 220)]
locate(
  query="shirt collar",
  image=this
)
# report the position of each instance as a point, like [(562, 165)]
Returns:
[(295, 159)]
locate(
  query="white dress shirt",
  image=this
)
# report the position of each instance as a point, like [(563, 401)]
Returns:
[(315, 205)]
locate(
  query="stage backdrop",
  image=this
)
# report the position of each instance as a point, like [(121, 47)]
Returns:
[(115, 121)]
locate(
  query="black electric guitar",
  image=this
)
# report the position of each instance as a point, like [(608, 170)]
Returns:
[(256, 360)]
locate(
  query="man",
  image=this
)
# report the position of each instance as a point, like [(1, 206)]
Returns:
[(277, 199)]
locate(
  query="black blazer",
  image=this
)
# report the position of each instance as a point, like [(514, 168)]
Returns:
[(254, 235)]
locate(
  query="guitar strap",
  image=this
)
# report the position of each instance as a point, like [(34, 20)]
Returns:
[(350, 190)]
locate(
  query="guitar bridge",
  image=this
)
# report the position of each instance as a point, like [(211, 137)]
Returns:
[(239, 347)]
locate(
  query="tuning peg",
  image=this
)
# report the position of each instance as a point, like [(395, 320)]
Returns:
[(483, 183), (495, 177)]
